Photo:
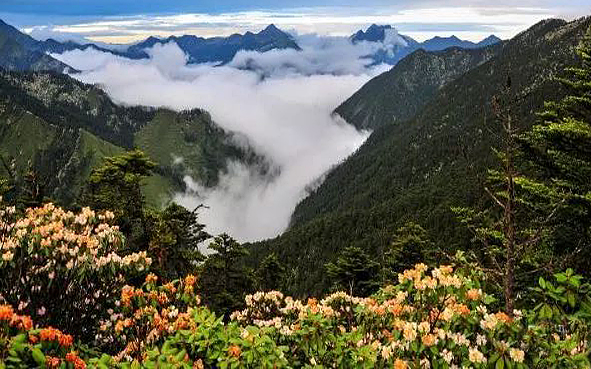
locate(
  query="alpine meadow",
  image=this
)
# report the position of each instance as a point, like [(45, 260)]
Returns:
[(258, 184)]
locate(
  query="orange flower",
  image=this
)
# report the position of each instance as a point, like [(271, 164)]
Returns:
[(234, 351), (474, 294), (380, 311), (33, 339), (151, 278), (49, 334), (73, 358), (429, 340), (312, 302), (190, 280), (462, 309), (503, 317), (400, 364), (6, 312), (52, 362), (22, 322), (170, 287), (127, 293), (66, 340)]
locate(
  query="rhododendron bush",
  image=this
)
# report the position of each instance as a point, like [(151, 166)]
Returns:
[(67, 271), (63, 268), (436, 319)]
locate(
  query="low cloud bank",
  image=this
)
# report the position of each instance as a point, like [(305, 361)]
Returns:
[(283, 111)]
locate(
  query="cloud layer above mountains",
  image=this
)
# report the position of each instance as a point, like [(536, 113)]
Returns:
[(285, 116)]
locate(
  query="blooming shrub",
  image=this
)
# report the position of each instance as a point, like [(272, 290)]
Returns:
[(63, 268), (147, 315), (21, 346), (429, 320)]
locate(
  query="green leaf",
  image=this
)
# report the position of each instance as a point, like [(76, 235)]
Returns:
[(38, 356)]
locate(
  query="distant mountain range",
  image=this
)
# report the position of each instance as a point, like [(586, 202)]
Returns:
[(199, 50), (398, 46), (218, 49), (21, 52)]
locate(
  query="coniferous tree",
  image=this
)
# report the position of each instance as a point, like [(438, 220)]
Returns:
[(34, 186), (513, 227), (175, 236), (224, 280), (411, 245), (117, 186), (355, 272), (270, 274), (558, 154)]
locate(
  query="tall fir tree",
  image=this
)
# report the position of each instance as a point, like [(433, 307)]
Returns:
[(410, 245), (175, 236), (224, 280), (557, 152)]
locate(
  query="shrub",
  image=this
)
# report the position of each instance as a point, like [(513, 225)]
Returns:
[(63, 268)]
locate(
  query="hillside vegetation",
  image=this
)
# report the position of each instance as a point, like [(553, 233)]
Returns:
[(419, 169), (62, 128)]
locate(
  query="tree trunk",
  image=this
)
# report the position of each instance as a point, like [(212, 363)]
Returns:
[(509, 220)]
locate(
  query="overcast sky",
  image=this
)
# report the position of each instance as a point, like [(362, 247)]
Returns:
[(131, 20)]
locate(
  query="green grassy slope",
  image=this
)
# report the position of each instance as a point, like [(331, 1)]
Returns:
[(22, 137), (186, 143), (65, 128)]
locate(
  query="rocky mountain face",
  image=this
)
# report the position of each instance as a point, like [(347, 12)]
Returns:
[(416, 170), (397, 46)]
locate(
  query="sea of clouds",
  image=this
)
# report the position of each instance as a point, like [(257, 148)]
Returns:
[(282, 105)]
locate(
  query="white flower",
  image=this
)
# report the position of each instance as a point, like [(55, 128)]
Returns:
[(476, 356), (517, 355), (447, 355)]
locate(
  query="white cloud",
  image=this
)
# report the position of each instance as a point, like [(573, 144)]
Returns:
[(286, 118), (319, 55)]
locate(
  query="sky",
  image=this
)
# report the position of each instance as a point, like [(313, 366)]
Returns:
[(126, 21)]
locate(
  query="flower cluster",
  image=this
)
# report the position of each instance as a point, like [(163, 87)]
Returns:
[(71, 240), (147, 315), (47, 347), (49, 252), (436, 319)]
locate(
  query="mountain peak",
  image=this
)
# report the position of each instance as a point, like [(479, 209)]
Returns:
[(490, 40), (271, 29), (374, 33)]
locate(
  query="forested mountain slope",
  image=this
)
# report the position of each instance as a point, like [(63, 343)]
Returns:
[(418, 169), (62, 128), (19, 52), (400, 93)]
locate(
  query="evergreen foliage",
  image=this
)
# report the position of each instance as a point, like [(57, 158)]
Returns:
[(557, 153), (224, 280), (355, 272), (175, 236)]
